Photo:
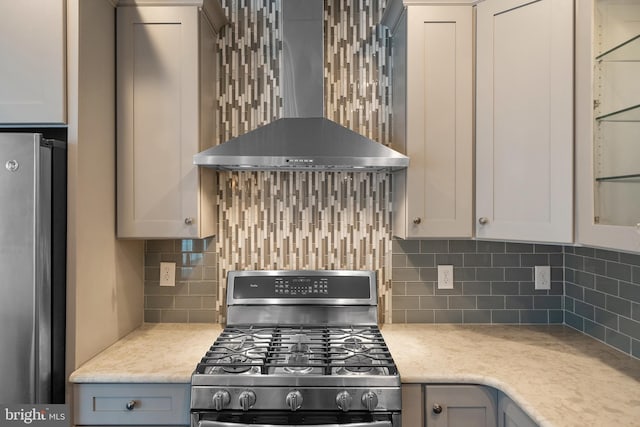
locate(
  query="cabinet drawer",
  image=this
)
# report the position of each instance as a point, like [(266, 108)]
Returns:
[(151, 404)]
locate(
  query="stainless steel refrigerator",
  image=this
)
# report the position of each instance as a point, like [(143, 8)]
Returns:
[(32, 268)]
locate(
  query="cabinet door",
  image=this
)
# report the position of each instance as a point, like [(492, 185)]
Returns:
[(510, 414), (32, 69), (607, 211), (159, 124), (524, 120), (460, 406), (434, 195)]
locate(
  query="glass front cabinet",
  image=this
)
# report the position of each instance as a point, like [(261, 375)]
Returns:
[(608, 123)]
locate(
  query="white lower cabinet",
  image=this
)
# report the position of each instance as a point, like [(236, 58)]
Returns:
[(460, 405), (510, 414), (126, 404)]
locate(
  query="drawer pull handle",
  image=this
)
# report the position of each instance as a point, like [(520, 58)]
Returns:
[(130, 405), (437, 409)]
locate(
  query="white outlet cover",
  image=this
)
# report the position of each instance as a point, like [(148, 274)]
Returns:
[(542, 277), (445, 277), (167, 274)]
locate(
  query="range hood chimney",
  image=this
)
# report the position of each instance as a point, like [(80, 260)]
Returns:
[(303, 139)]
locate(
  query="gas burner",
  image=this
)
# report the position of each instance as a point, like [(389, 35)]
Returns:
[(298, 364), (299, 347), (235, 369), (245, 344), (355, 344), (359, 364), (235, 364)]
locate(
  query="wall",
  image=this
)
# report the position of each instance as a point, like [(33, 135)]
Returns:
[(104, 275), (602, 296)]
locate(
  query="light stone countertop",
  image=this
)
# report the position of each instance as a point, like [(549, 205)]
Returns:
[(153, 353), (560, 377), (557, 375)]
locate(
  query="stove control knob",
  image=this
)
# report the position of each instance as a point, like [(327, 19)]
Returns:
[(221, 399), (370, 400), (343, 400), (247, 399), (294, 400)]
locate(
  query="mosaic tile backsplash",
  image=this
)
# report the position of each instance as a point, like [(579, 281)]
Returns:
[(314, 220), (305, 220)]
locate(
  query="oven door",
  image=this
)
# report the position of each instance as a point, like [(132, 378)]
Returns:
[(300, 418), (225, 424)]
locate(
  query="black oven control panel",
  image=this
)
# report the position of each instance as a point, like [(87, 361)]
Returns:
[(334, 286)]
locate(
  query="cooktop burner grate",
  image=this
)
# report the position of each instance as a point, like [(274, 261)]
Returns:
[(294, 350)]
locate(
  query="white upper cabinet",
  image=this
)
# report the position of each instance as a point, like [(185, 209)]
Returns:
[(165, 99), (32, 64), (524, 120), (433, 119), (608, 123)]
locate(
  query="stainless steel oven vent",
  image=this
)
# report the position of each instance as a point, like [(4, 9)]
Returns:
[(303, 139)]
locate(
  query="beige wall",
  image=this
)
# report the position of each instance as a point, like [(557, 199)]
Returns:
[(105, 275)]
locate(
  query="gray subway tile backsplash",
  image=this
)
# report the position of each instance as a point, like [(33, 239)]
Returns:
[(620, 341), (600, 295), (505, 316), (476, 316), (489, 287), (493, 281), (193, 298), (635, 311)]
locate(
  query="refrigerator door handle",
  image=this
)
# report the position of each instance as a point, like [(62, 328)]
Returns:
[(43, 276)]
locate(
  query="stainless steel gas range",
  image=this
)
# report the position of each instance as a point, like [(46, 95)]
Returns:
[(299, 348)]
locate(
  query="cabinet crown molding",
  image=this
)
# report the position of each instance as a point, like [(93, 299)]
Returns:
[(395, 8), (212, 8)]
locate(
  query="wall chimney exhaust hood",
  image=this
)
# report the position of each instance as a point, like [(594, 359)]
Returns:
[(303, 139)]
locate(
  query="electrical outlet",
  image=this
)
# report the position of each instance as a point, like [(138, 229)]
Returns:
[(543, 277), (167, 274), (445, 277)]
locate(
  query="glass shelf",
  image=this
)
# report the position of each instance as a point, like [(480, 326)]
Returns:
[(629, 114), (618, 177), (629, 50)]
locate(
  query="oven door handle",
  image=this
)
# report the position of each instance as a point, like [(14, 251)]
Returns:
[(207, 423)]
